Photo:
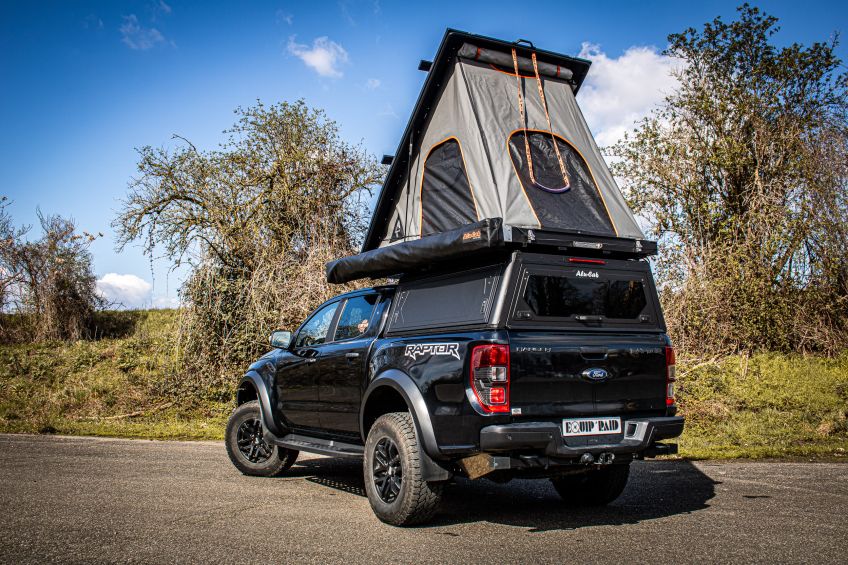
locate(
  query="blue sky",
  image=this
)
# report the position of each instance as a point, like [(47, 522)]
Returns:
[(84, 83)]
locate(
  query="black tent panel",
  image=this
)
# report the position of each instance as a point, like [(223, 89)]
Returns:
[(446, 199), (572, 202)]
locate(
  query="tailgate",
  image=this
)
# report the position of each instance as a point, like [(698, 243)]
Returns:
[(586, 338), (561, 375)]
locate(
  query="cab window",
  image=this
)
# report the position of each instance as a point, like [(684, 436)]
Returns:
[(356, 317), (314, 331)]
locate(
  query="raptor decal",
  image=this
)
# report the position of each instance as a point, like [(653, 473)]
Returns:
[(420, 349)]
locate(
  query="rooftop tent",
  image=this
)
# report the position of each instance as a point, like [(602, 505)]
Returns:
[(496, 139)]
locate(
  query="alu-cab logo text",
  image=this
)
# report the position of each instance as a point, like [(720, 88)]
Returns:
[(587, 274)]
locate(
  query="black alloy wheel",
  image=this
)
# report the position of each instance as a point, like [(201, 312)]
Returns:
[(251, 443), (388, 470), (394, 477), (249, 447)]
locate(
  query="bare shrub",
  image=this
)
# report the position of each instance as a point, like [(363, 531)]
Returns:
[(48, 286), (256, 220)]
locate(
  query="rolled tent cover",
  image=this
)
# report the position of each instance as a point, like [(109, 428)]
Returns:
[(450, 245), (470, 161), (500, 58)]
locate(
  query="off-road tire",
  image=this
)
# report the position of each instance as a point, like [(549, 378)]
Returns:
[(417, 500), (596, 487), (280, 458)]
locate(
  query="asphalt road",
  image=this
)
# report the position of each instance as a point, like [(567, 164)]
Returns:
[(104, 500)]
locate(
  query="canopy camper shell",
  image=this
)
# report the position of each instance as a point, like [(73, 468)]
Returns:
[(496, 156)]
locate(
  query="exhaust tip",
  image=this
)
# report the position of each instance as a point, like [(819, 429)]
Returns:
[(587, 459)]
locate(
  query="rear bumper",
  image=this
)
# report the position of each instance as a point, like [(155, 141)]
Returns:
[(640, 435)]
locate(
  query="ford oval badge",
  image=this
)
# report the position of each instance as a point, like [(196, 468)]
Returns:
[(596, 375)]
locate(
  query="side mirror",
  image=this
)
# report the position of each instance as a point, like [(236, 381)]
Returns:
[(281, 339)]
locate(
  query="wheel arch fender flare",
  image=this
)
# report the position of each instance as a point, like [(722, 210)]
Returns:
[(406, 387), (252, 378)]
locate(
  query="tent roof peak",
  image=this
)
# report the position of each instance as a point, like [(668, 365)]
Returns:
[(452, 41)]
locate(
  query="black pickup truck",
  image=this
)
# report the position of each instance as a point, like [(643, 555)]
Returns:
[(536, 366)]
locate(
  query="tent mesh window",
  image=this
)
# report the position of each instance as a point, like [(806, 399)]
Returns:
[(573, 206), (446, 199)]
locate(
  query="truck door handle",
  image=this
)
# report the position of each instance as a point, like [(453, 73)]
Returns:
[(352, 355), (308, 355)]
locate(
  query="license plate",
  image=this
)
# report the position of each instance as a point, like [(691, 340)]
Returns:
[(591, 426)]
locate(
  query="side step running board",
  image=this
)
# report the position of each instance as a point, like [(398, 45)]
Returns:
[(320, 446)]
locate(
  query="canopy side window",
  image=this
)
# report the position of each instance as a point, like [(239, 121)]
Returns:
[(446, 198), (572, 201)]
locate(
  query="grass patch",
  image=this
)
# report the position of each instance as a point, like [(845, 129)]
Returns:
[(114, 386), (765, 405), (122, 385)]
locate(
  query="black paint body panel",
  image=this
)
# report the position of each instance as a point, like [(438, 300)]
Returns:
[(323, 391)]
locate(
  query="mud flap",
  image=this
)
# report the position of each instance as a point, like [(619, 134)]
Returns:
[(431, 470)]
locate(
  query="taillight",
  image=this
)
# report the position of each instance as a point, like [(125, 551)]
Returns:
[(490, 376), (670, 376)]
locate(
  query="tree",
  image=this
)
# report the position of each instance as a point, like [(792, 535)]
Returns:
[(49, 283), (255, 220), (10, 238), (742, 173)]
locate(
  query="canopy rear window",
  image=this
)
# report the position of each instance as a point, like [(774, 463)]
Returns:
[(593, 296), (564, 297)]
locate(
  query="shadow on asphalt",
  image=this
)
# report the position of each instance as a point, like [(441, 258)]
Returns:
[(656, 489)]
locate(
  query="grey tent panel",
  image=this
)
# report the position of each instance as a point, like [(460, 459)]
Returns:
[(479, 107)]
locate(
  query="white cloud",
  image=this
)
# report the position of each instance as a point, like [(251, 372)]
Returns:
[(137, 37), (283, 16), (620, 91), (126, 291), (163, 7), (92, 22), (324, 57), (372, 84), (343, 7)]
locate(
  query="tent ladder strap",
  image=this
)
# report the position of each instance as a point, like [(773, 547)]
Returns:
[(547, 117)]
